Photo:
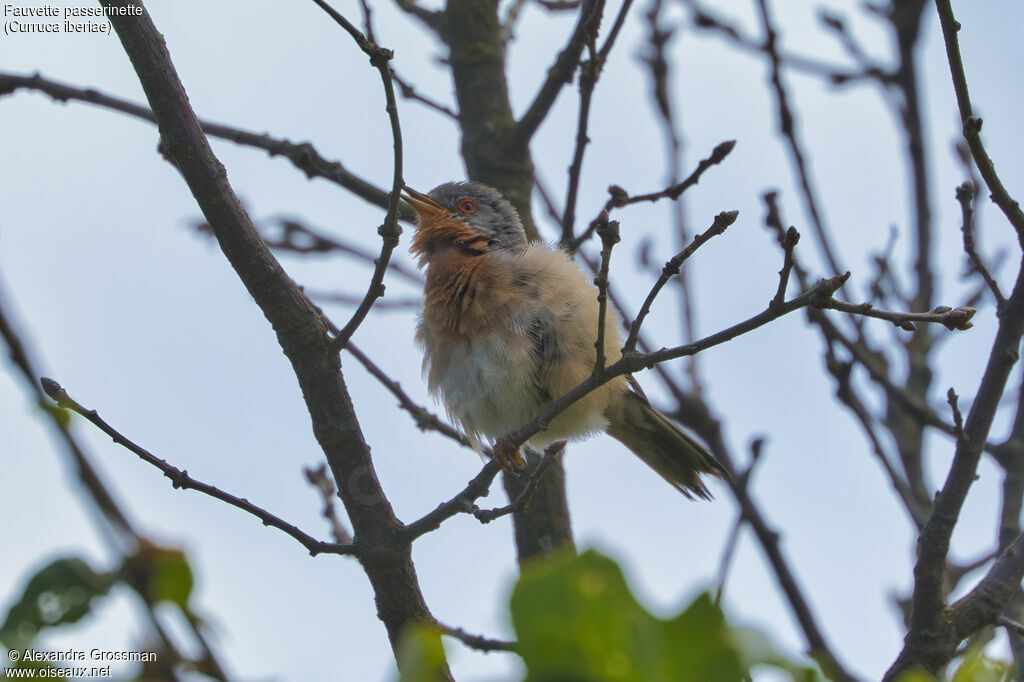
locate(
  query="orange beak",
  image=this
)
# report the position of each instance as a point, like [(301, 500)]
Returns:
[(424, 206)]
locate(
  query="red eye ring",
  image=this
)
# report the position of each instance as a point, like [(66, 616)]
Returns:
[(467, 206)]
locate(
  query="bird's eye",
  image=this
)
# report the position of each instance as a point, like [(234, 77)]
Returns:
[(467, 206)]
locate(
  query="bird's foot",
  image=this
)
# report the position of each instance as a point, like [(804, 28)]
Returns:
[(507, 455), (555, 448)]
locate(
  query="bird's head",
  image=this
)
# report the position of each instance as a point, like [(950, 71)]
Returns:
[(467, 216)]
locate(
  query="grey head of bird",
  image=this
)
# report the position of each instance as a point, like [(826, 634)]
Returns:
[(481, 208)]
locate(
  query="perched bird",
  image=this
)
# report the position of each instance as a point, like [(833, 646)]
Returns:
[(509, 326)]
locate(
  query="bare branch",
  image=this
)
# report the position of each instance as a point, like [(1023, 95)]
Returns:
[(461, 503), (182, 479), (609, 232), (410, 92), (390, 230), (972, 125), (298, 325), (559, 75), (951, 318), (717, 156), (619, 197), (318, 478), (984, 604), (965, 197), (787, 127), (434, 20), (789, 243), (590, 71), (424, 419), (958, 419), (522, 501), (478, 642), (704, 19), (303, 156), (848, 396), (300, 238), (722, 221), (741, 483), (633, 362), (387, 305)]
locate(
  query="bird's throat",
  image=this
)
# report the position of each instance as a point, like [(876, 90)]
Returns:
[(443, 234), (458, 292)]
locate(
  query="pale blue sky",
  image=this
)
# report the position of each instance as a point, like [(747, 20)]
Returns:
[(142, 319)]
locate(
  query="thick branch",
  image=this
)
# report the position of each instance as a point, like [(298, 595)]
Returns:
[(933, 638), (301, 332)]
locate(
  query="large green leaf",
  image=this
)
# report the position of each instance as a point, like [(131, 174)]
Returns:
[(577, 620), (60, 592)]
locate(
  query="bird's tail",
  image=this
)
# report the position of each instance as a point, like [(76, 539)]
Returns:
[(662, 445)]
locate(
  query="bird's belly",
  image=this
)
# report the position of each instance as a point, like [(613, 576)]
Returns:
[(489, 387), (485, 385)]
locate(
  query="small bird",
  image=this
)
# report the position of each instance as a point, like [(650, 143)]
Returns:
[(509, 326)]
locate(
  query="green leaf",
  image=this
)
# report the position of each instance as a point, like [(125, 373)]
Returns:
[(161, 573), (976, 667), (172, 579), (577, 620), (60, 592), (421, 654)]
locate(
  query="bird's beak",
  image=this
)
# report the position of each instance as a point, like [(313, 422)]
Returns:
[(424, 206)]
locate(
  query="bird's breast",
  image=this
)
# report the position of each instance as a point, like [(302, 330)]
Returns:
[(506, 333)]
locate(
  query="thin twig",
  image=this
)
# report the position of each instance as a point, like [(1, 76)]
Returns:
[(958, 419), (390, 231), (390, 304), (722, 221), (718, 155), (609, 232), (732, 541), (318, 478), (299, 238), (787, 127), (965, 197), (619, 197), (971, 124), (478, 642), (849, 397), (411, 93), (838, 75), (1012, 625), (432, 19), (182, 480), (951, 318), (461, 503), (788, 245), (633, 362), (590, 70), (522, 501), (559, 75), (424, 418)]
